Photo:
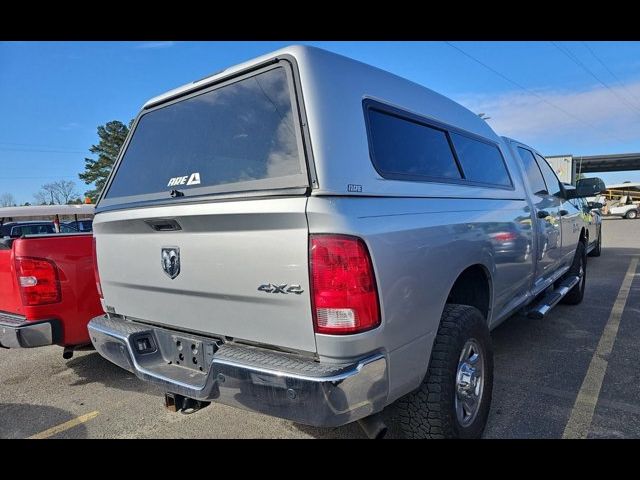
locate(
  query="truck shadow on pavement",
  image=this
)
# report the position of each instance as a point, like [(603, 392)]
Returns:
[(90, 367), (351, 430), (21, 420)]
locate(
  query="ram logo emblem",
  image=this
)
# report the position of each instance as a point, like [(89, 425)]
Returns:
[(171, 261)]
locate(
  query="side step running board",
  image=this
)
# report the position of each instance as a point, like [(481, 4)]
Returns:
[(550, 300)]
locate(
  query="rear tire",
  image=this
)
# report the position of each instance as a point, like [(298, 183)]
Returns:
[(597, 250), (631, 215), (455, 396), (579, 268)]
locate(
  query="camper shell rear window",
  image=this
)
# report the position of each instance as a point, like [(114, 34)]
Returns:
[(240, 135)]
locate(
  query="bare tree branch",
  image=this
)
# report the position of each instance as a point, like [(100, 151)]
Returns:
[(7, 200), (60, 192)]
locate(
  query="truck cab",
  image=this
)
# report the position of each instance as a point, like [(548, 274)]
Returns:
[(559, 219)]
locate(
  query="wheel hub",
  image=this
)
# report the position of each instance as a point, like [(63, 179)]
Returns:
[(469, 382)]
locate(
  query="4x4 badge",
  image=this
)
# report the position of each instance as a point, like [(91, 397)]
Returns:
[(171, 261), (280, 288)]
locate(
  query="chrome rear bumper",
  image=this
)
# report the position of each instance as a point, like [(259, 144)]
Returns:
[(256, 379), (17, 332)]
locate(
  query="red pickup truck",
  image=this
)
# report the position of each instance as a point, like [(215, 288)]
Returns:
[(48, 291)]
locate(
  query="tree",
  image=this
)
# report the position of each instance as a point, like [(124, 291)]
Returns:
[(7, 200), (112, 136), (60, 193), (41, 198)]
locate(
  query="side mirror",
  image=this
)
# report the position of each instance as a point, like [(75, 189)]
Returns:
[(589, 187)]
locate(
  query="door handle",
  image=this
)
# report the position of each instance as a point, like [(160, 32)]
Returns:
[(163, 225), (563, 213), (543, 214)]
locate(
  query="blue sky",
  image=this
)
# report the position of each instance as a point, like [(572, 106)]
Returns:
[(561, 97)]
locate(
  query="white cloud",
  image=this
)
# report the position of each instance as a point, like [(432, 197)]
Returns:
[(147, 45), (526, 117), (284, 156)]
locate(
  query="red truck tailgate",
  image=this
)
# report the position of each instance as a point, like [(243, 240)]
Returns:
[(79, 301)]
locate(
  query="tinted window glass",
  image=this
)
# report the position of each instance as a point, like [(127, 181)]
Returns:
[(481, 162), (550, 178), (240, 132), (35, 229), (532, 172), (68, 229), (404, 149), (86, 226), (81, 225)]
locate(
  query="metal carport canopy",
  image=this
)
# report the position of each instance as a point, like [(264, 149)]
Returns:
[(607, 163), (47, 210)]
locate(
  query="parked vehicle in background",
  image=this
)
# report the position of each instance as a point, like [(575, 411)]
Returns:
[(65, 228), (328, 241), (81, 225), (624, 208), (621, 200), (17, 229), (47, 282)]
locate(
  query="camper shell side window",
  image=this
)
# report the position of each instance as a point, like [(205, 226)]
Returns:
[(406, 146)]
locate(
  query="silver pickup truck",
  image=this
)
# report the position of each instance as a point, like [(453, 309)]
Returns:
[(313, 238)]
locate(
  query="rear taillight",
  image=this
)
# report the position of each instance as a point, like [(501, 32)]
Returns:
[(504, 236), (95, 268), (38, 281), (344, 293)]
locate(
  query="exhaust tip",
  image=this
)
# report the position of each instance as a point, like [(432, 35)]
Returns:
[(373, 426), (67, 353)]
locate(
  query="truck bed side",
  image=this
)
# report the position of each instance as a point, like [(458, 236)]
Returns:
[(73, 257)]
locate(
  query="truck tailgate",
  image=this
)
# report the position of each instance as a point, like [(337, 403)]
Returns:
[(243, 268), (9, 296)]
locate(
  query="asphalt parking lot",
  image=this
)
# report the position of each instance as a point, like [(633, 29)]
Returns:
[(573, 375)]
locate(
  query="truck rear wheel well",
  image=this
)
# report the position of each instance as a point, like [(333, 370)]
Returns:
[(472, 287)]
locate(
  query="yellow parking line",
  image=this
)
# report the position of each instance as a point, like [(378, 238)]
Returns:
[(50, 432), (582, 413)]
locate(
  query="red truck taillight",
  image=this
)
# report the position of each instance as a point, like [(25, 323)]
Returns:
[(95, 268), (38, 281), (343, 286)]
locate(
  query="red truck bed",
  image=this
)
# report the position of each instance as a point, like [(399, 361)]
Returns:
[(63, 319)]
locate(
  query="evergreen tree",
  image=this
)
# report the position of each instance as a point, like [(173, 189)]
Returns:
[(112, 136)]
